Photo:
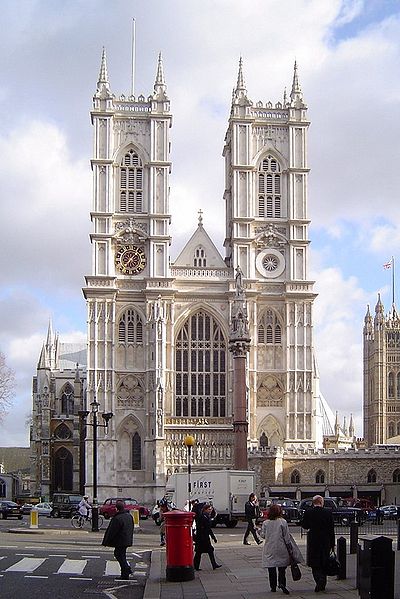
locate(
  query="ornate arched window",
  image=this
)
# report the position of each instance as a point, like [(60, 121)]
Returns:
[(391, 432), (391, 385), (396, 475), (269, 185), (269, 329), (136, 452), (264, 440), (295, 477), (62, 432), (67, 400), (200, 366), (3, 488), (130, 328), (200, 257), (398, 385), (131, 183), (371, 476), (320, 476)]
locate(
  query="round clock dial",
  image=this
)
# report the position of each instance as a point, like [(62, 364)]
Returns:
[(130, 259)]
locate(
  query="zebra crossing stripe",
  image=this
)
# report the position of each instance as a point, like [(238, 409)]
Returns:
[(112, 568), (72, 566), (27, 564)]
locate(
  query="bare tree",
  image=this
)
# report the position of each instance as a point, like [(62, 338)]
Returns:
[(7, 387)]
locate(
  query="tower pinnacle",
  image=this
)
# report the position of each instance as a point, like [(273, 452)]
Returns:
[(103, 75), (159, 84), (240, 91), (296, 95)]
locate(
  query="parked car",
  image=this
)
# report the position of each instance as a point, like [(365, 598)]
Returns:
[(390, 512), (27, 508), (10, 509), (289, 510), (342, 514), (44, 508), (65, 505), (108, 508)]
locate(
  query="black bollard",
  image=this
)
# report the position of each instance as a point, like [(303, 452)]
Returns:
[(376, 569), (341, 555), (353, 537)]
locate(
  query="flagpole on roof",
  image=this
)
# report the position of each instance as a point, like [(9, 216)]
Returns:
[(393, 279)]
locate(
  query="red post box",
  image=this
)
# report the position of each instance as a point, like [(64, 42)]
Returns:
[(179, 545)]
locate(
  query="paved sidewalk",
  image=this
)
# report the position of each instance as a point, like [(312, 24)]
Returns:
[(242, 577)]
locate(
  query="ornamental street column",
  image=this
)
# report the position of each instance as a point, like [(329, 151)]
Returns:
[(239, 345)]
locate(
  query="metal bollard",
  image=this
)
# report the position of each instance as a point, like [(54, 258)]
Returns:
[(341, 555), (353, 537)]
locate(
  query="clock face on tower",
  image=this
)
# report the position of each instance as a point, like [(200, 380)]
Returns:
[(130, 259)]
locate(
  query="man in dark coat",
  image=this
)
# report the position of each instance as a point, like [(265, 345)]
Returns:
[(321, 539), (251, 511), (119, 534), (203, 534)]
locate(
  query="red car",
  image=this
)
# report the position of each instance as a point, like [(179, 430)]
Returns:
[(108, 508)]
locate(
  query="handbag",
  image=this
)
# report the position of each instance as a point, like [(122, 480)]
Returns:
[(294, 567), (332, 565)]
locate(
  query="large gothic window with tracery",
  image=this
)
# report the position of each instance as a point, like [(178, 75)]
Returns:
[(269, 329), (131, 183), (67, 400), (130, 328), (200, 364), (269, 188)]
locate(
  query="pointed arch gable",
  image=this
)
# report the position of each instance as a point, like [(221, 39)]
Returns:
[(270, 150), (130, 435), (273, 430)]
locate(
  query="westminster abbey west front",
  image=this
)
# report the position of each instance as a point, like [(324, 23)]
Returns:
[(159, 325)]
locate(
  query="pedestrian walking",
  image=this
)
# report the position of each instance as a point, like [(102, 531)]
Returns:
[(252, 512), (119, 535), (279, 550), (321, 539), (204, 534)]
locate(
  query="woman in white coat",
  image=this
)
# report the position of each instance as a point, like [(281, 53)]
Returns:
[(278, 543)]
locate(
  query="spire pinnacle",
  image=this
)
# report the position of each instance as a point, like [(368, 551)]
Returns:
[(103, 75), (200, 218), (159, 84), (296, 95), (240, 91)]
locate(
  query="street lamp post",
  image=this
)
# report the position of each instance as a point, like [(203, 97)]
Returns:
[(95, 424), (189, 442)]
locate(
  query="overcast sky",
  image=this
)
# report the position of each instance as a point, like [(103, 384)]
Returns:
[(348, 52)]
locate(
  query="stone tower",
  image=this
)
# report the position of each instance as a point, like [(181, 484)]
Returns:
[(381, 375), (267, 237)]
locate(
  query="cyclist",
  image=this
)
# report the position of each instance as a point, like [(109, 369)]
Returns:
[(84, 508)]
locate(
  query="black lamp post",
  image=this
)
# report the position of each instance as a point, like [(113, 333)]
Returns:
[(95, 424), (189, 441)]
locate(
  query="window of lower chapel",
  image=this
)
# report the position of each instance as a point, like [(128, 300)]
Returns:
[(371, 476), (391, 429), (200, 366), (3, 488), (320, 477), (295, 477), (396, 476), (67, 400)]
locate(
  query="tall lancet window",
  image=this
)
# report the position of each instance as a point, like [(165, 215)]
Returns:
[(130, 328), (269, 185), (131, 183), (200, 365), (200, 258)]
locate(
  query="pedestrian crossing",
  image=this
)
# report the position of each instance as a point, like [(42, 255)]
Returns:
[(88, 566)]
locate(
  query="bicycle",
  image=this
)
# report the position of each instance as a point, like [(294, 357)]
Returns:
[(78, 521)]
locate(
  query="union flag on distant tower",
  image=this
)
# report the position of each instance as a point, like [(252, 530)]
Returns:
[(388, 265)]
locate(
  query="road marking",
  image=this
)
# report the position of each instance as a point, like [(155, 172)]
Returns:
[(72, 566), (12, 547), (92, 556), (57, 555), (112, 568), (25, 554), (26, 564), (34, 576), (81, 578)]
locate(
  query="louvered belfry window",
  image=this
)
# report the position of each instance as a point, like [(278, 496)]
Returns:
[(269, 188), (200, 365), (130, 328), (131, 183), (269, 329)]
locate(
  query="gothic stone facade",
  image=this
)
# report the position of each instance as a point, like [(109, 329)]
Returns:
[(158, 328)]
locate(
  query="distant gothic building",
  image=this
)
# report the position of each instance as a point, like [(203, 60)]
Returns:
[(158, 329), (381, 376), (58, 393)]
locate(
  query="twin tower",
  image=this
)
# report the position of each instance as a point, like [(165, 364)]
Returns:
[(159, 326)]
